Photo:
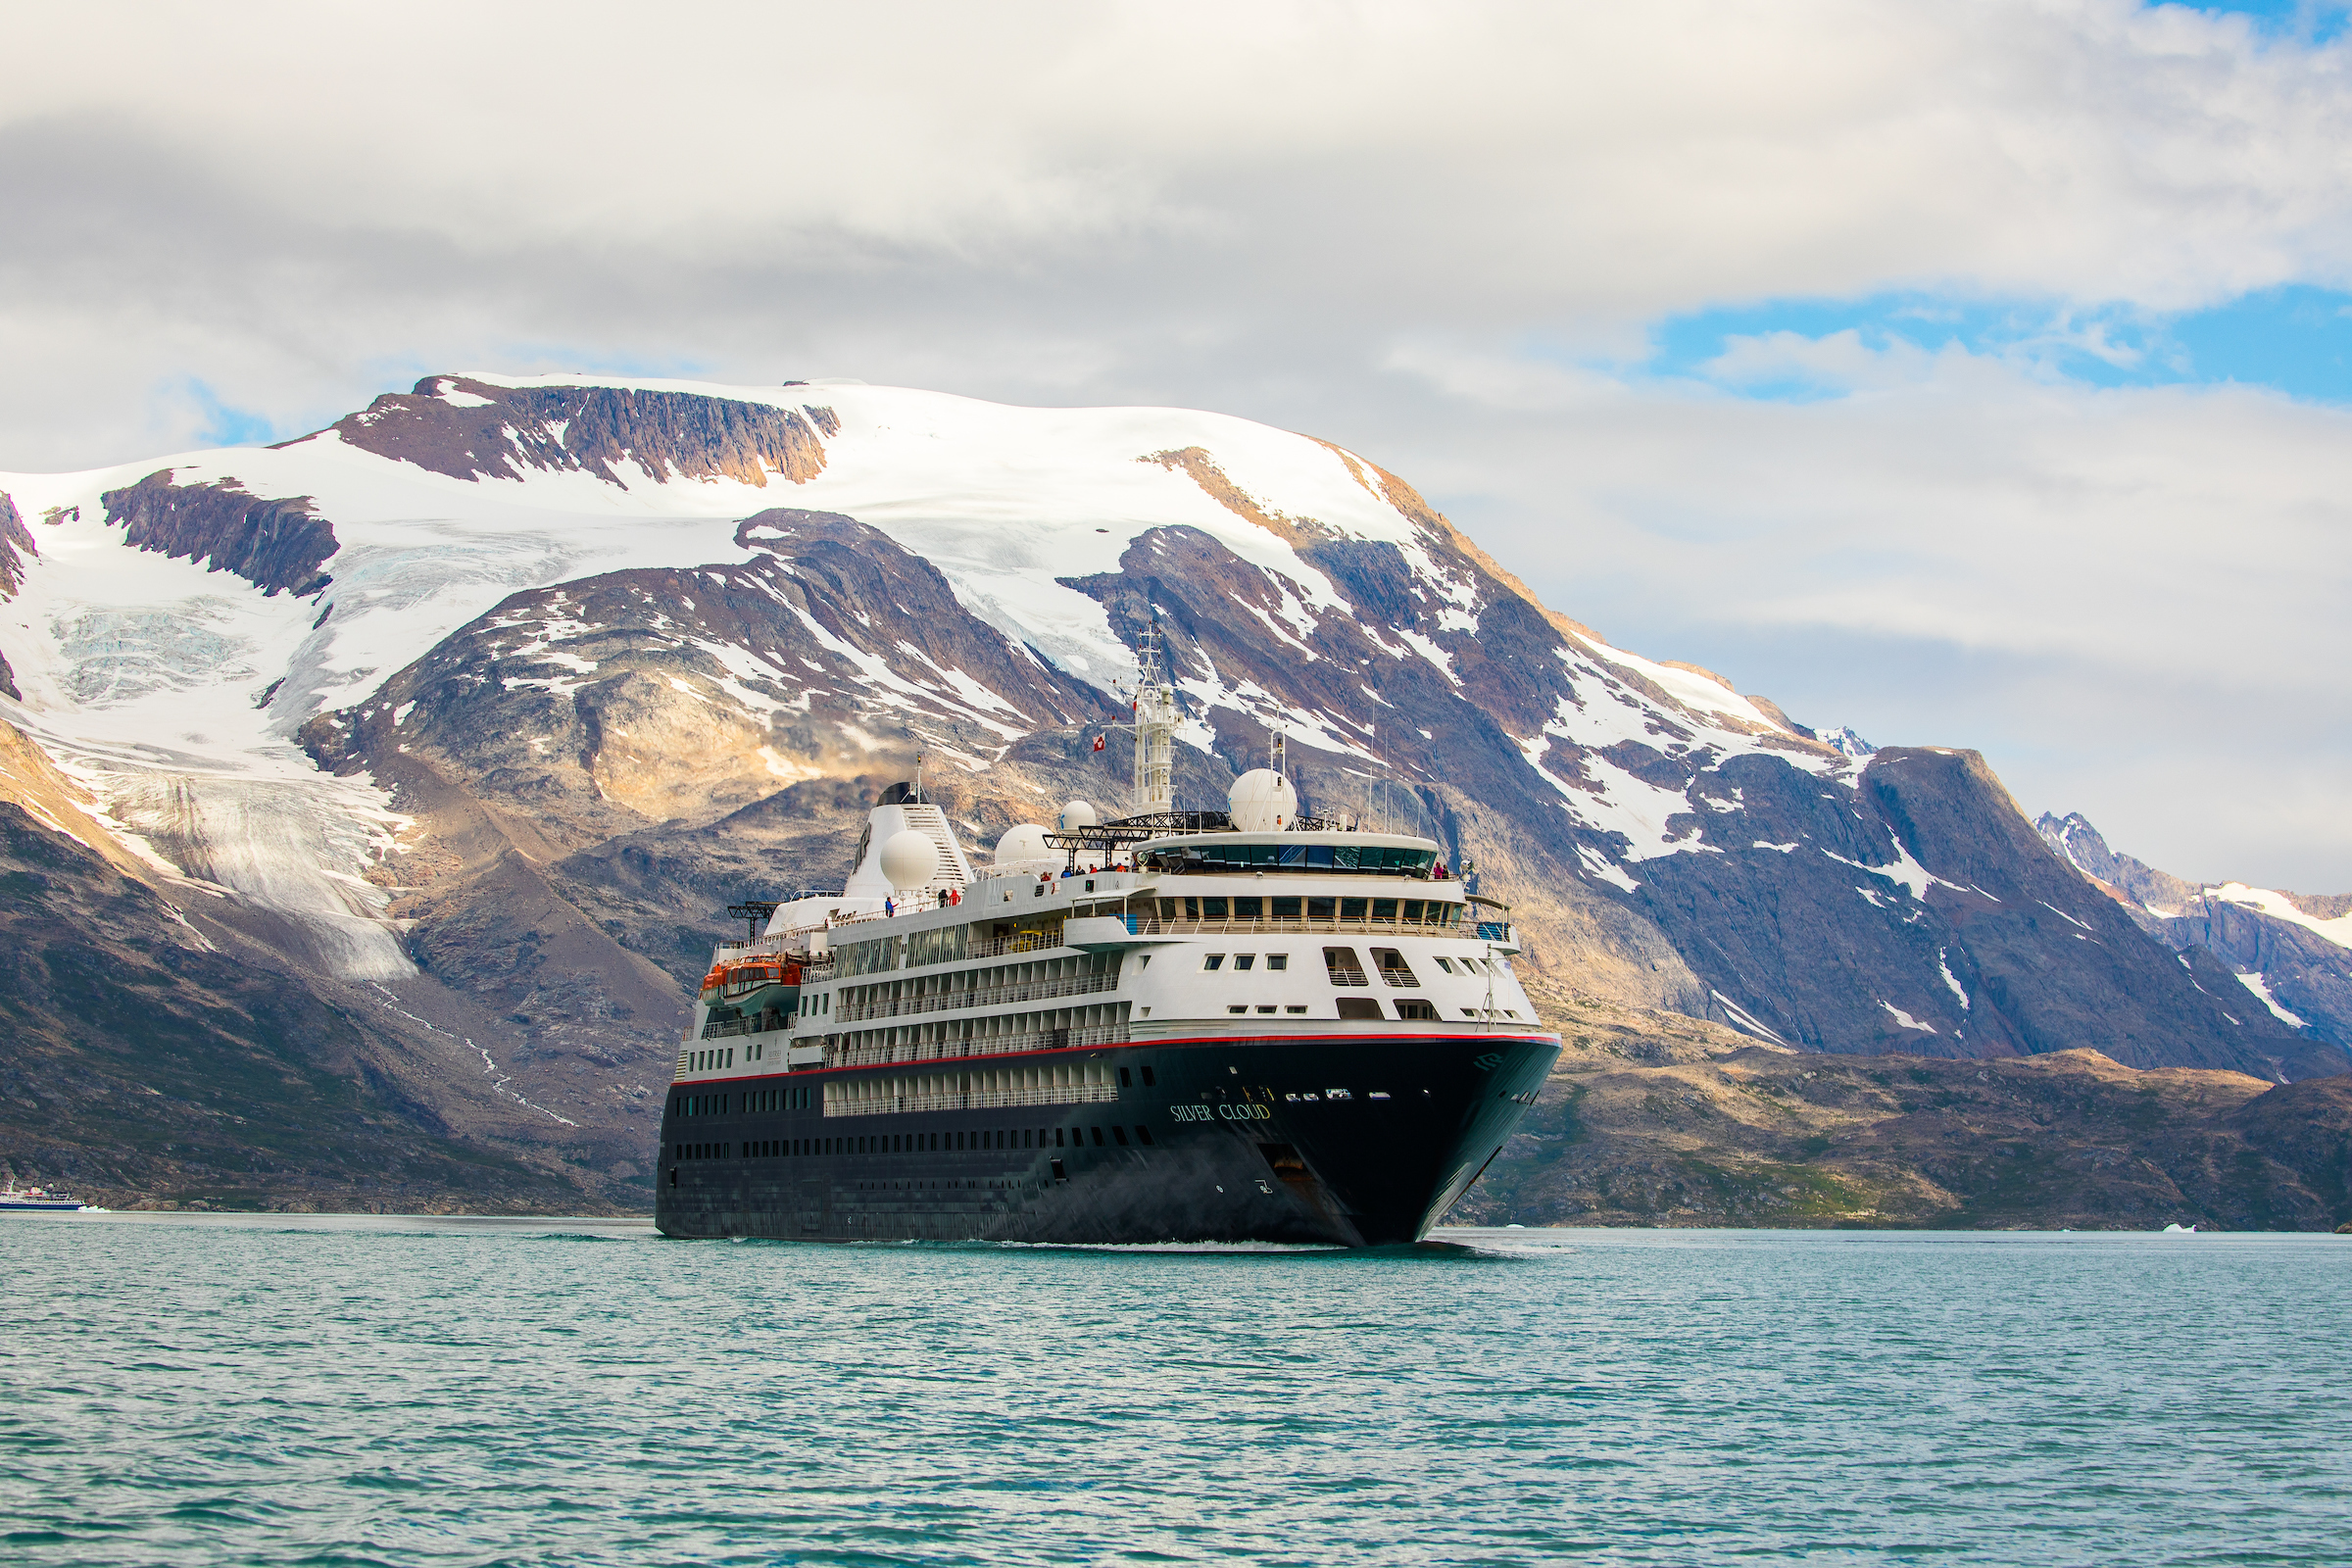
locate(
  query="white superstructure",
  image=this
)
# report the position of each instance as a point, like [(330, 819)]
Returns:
[(1128, 934)]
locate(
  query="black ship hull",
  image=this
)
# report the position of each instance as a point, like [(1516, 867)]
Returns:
[(1346, 1140)]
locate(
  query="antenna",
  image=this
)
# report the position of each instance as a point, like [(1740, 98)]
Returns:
[(918, 778), (1154, 724)]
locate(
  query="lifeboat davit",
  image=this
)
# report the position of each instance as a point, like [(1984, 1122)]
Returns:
[(753, 985)]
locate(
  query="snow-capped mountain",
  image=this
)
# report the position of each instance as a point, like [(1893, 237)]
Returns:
[(2292, 951), (1844, 742), (520, 679)]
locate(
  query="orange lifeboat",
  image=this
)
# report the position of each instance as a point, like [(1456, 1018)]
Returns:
[(753, 985)]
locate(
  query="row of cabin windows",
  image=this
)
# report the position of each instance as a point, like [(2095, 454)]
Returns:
[(1412, 912), (711, 1061), (1243, 962), (791, 1097), (803, 1097), (1006, 1138)]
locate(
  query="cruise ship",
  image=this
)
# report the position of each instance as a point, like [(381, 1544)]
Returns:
[(1236, 1026)]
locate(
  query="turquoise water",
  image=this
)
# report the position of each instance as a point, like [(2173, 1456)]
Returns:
[(266, 1390)]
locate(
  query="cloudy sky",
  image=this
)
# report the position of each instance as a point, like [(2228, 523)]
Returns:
[(1974, 375)]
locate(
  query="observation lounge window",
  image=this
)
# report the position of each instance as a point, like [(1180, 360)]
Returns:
[(1284, 908), (1322, 908), (1251, 908), (1213, 910)]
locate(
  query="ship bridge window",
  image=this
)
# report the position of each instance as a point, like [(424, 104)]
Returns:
[(1244, 960), (1378, 860), (1445, 964), (1214, 961)]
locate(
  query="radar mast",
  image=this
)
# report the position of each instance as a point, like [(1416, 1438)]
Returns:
[(1154, 724)]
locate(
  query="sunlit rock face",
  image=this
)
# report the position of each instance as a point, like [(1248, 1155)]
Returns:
[(2291, 951), (556, 678)]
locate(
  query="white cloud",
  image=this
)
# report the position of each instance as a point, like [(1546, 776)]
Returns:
[(2134, 600), (1410, 228)]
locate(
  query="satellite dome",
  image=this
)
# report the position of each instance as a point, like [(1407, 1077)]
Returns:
[(908, 860), (1022, 843), (1262, 802), (1078, 814)]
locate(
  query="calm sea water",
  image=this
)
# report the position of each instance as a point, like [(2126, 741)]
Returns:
[(416, 1392)]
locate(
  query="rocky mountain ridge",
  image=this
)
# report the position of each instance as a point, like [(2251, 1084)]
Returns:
[(2292, 951), (501, 689)]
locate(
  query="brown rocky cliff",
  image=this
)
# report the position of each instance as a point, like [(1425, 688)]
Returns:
[(274, 544), (155, 1057), (594, 770), (1642, 1126), (501, 432)]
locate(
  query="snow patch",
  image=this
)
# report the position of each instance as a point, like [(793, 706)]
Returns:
[(2255, 984), (1949, 979), (2275, 905), (1907, 1021), (1742, 1019)]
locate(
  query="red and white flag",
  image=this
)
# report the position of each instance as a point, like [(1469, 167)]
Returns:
[(1102, 741)]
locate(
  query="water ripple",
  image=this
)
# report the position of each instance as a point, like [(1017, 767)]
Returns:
[(408, 1391)]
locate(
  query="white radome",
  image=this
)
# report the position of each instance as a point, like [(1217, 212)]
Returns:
[(1262, 801), (1079, 813), (1023, 847), (908, 860)]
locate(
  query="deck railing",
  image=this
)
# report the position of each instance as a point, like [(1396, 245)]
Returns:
[(1138, 925), (984, 997)]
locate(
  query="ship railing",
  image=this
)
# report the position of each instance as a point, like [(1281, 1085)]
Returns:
[(876, 1054), (781, 947), (769, 1022), (1138, 925), (977, 1100), (984, 997), (1018, 942)]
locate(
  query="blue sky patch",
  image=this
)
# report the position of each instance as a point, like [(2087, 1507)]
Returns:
[(2304, 20), (225, 425), (2297, 339)]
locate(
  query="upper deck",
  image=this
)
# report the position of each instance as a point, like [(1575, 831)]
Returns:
[(1197, 933)]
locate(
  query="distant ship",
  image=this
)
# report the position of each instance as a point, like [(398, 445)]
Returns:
[(1172, 1027), (13, 1196)]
